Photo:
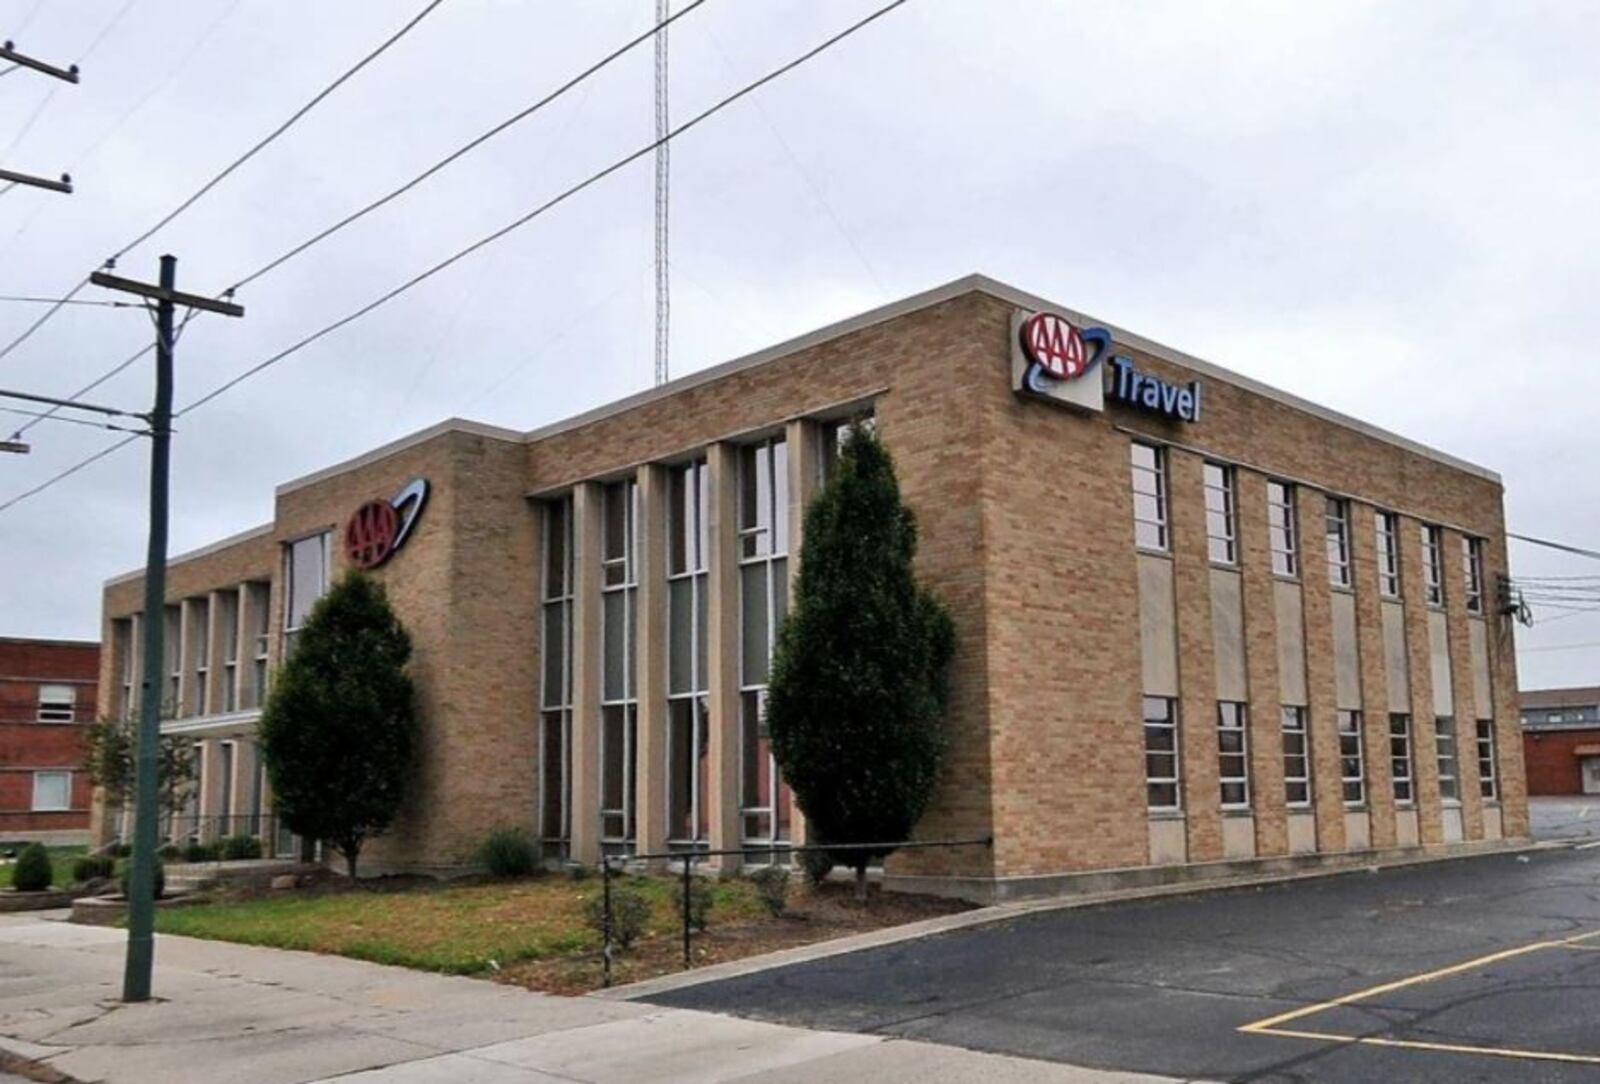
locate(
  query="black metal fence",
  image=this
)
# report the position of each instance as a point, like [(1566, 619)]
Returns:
[(688, 858)]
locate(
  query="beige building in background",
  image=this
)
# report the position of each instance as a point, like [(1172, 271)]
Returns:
[(1202, 624)]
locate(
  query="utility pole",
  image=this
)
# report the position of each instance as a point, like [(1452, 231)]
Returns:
[(141, 879), (663, 278)]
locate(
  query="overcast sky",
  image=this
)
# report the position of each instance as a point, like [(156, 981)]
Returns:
[(1386, 208)]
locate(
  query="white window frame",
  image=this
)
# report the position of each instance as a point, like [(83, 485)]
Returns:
[(1352, 758), (1154, 478), (1387, 527), (1296, 761), (555, 701), (1488, 761), (766, 546), (1283, 529), (1447, 752), (39, 777), (1233, 722), (1161, 717), (627, 587), (1222, 521), (690, 519), (125, 640), (1402, 771), (54, 707), (1433, 564), (260, 595), (1336, 531), (289, 630), (202, 654), (229, 603), (1472, 573)]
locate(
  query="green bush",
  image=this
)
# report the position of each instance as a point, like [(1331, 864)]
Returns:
[(817, 865), (117, 850), (161, 879), (32, 872), (240, 848), (509, 852), (700, 902), (772, 888), (201, 852), (168, 851), (92, 867), (630, 914)]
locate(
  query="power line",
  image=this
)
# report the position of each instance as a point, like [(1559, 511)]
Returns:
[(106, 30), (465, 148), (328, 329), (1559, 647), (97, 381), (39, 415), (1562, 546), (19, 300), (226, 171)]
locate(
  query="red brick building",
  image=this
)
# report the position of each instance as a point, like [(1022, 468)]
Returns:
[(47, 701), (1561, 740)]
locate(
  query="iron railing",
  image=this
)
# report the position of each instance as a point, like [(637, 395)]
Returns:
[(689, 857)]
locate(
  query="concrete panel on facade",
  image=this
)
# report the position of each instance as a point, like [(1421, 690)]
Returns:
[(1227, 631), (1493, 823), (1478, 646), (1302, 832), (1406, 831), (1454, 828), (1396, 663), (1238, 836), (1444, 701), (1168, 842), (1158, 626), (1346, 656), (1357, 830), (1291, 642)]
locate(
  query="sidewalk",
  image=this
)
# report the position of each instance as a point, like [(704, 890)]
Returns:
[(235, 1014)]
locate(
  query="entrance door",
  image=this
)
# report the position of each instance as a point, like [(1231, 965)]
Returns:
[(1591, 775)]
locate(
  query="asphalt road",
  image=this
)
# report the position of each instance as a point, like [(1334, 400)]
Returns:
[(1164, 986), (1565, 818)]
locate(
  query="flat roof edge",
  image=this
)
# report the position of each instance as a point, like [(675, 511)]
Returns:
[(203, 551), (410, 440)]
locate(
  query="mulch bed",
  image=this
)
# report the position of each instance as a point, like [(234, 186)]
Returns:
[(813, 914)]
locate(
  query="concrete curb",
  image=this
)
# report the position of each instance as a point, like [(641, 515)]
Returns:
[(14, 1060), (986, 916)]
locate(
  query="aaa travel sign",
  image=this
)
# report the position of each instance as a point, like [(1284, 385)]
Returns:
[(380, 527), (1053, 358)]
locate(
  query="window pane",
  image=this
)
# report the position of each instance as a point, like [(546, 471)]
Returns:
[(680, 520), (555, 549), (680, 637), (552, 776), (52, 791), (681, 768), (614, 620), (613, 765), (554, 651), (780, 497), (753, 624)]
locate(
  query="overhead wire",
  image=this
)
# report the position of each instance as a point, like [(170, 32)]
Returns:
[(488, 239)]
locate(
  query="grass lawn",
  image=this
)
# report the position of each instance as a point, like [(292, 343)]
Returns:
[(532, 932), (61, 859)]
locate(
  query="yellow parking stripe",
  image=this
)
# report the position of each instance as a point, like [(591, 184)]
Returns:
[(1445, 1048)]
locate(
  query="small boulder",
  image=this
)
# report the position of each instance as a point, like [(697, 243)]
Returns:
[(285, 881)]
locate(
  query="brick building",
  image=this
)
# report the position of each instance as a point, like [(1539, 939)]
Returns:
[(47, 701), (1200, 621), (1561, 740)]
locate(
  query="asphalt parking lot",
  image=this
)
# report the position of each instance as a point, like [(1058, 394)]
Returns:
[(1476, 969)]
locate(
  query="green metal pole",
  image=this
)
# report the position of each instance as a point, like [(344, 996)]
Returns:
[(141, 879)]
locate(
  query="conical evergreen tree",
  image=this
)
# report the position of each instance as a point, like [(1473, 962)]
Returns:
[(339, 729), (860, 673)]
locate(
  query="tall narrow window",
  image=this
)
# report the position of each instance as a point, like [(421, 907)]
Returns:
[(1149, 497), (555, 680), (1222, 525), (1433, 564), (763, 602), (260, 596), (1488, 761), (833, 436), (308, 579), (1388, 554), (228, 619), (127, 652), (1282, 529), (1162, 786), (1336, 522), (1472, 570), (1233, 755), (688, 718), (172, 656), (56, 703), (1296, 759), (1444, 737), (200, 633), (1352, 758), (619, 711), (1400, 758)]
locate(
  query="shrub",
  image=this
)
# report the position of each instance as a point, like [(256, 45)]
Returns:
[(92, 867), (116, 850), (161, 879), (201, 852), (772, 888), (240, 848), (630, 914), (509, 852), (32, 872), (168, 851), (700, 902), (817, 865)]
